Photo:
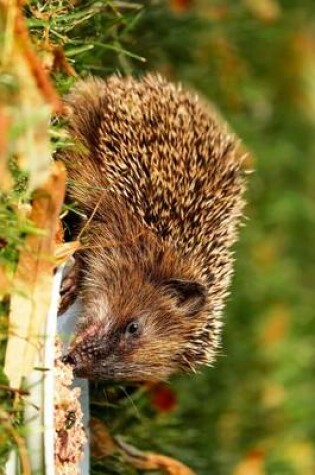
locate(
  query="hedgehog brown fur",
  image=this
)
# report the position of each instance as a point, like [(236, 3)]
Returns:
[(158, 175)]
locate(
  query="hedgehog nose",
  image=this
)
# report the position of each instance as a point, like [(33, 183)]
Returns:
[(69, 359)]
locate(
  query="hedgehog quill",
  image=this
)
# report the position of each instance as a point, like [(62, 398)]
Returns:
[(158, 176)]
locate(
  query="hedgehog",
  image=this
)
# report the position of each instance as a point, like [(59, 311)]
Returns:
[(156, 175)]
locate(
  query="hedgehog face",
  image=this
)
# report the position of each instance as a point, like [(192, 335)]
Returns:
[(141, 338)]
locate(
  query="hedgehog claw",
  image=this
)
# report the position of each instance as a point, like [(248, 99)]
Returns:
[(68, 289)]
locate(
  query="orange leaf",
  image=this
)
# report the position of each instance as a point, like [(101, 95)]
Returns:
[(35, 66), (31, 144)]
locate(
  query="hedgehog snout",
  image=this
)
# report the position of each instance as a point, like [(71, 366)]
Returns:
[(81, 358), (85, 355)]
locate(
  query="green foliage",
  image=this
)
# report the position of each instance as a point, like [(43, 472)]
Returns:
[(95, 35), (259, 395)]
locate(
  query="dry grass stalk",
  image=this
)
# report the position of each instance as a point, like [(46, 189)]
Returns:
[(33, 280), (104, 445)]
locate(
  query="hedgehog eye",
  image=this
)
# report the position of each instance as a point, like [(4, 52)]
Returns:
[(132, 329)]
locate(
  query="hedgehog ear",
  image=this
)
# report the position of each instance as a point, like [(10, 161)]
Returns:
[(190, 295)]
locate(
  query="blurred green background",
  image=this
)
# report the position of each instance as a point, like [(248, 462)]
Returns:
[(254, 412)]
